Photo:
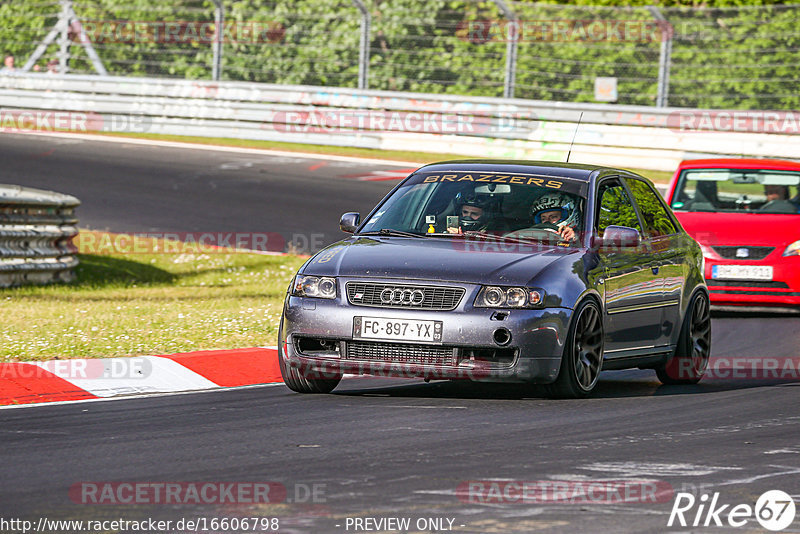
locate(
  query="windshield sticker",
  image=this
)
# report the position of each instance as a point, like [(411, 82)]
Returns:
[(500, 178)]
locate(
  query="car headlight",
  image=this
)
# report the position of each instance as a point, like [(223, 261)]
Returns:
[(509, 297), (793, 249), (314, 286)]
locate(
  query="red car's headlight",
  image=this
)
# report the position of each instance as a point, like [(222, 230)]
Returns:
[(793, 249)]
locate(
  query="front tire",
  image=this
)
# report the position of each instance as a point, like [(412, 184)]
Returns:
[(301, 384), (689, 362), (583, 354), (295, 380)]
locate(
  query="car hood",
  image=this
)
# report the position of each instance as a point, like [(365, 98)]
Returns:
[(755, 229), (477, 262)]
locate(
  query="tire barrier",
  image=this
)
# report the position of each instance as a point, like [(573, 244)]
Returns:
[(36, 231)]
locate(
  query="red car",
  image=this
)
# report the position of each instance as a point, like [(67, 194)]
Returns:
[(745, 213)]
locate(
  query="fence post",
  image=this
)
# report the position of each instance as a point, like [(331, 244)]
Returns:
[(219, 20), (67, 19), (664, 58), (511, 49), (363, 48)]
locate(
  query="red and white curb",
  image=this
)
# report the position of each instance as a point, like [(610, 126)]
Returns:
[(24, 383)]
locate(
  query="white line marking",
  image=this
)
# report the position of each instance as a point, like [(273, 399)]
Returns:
[(218, 148), (159, 375), (790, 471), (139, 396), (426, 407), (655, 469)]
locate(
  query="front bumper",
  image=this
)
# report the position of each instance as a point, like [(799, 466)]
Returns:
[(782, 290), (532, 355)]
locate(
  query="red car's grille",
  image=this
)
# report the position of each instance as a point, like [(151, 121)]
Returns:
[(744, 253)]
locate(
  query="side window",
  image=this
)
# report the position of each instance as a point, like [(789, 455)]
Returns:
[(615, 208), (656, 219)]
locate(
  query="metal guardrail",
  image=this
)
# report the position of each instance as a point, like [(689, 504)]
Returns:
[(36, 228), (632, 136)]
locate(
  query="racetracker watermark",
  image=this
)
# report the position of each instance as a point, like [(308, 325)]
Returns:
[(88, 242), (772, 122), (177, 32), (80, 369), (24, 120), (564, 491), (212, 493), (785, 368), (564, 31), (468, 369), (353, 120)]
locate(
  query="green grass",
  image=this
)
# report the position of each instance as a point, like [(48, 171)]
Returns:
[(132, 304), (398, 155)]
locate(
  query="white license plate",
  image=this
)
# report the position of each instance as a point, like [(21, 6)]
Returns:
[(741, 272), (397, 329)]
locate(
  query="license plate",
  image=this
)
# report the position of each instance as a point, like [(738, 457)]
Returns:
[(741, 272), (397, 329)]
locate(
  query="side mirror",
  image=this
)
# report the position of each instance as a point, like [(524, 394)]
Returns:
[(620, 237), (349, 222)]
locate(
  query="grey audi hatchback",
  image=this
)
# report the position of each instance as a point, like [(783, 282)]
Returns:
[(502, 271)]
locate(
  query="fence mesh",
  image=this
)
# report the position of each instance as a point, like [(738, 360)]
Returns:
[(743, 57)]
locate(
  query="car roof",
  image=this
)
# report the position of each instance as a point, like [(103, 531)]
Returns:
[(742, 163), (576, 171)]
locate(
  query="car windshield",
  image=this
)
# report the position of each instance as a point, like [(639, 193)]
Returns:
[(738, 190), (482, 204)]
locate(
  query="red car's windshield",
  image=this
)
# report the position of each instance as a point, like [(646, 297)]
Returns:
[(738, 190)]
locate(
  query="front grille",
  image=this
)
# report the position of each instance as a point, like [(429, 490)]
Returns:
[(743, 283), (401, 353), (753, 253), (404, 296)]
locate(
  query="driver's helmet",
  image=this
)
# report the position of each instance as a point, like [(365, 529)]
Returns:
[(570, 214), (486, 202)]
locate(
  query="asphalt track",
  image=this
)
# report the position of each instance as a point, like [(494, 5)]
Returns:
[(379, 448)]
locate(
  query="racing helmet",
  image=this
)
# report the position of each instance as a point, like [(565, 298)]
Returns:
[(554, 201), (485, 202)]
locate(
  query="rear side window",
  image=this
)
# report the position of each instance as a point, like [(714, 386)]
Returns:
[(656, 218), (615, 207)]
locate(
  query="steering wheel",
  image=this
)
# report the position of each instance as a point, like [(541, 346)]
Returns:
[(550, 227), (549, 230)]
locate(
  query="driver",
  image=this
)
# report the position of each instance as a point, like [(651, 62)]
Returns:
[(778, 200), (556, 211)]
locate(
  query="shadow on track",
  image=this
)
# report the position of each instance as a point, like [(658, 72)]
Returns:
[(616, 384)]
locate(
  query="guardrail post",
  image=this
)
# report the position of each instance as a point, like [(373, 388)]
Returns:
[(511, 48), (363, 45), (664, 58), (219, 20)]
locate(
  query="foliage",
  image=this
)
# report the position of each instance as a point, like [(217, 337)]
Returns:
[(431, 47)]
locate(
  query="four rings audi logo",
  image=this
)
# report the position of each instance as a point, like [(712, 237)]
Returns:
[(407, 297)]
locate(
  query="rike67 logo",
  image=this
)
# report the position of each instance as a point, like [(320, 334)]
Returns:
[(774, 510)]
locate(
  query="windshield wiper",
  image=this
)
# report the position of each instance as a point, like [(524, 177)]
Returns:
[(392, 232)]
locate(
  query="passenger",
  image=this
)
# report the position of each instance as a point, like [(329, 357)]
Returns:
[(476, 213)]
